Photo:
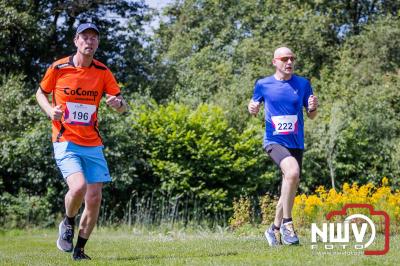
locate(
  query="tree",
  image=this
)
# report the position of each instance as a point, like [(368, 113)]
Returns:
[(358, 127), (214, 51), (35, 33)]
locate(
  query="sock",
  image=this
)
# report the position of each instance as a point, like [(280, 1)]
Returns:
[(286, 220), (80, 244), (69, 220), (274, 227)]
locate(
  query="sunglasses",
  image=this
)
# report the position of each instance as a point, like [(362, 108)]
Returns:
[(286, 58)]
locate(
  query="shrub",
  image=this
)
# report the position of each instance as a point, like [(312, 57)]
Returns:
[(23, 211), (267, 207), (241, 213)]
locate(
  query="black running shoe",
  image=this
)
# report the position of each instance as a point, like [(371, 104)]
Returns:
[(79, 254)]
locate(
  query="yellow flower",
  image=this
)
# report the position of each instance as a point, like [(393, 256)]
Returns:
[(313, 207), (385, 181)]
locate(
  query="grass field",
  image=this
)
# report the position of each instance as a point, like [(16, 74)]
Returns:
[(178, 247)]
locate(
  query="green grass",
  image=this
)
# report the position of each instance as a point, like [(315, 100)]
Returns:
[(178, 247)]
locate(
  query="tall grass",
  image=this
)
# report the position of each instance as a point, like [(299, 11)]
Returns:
[(168, 210)]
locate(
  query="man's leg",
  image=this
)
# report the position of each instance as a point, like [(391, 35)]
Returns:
[(88, 219), (289, 165), (279, 210), (273, 234), (92, 208), (291, 178), (73, 201), (287, 187), (75, 195)]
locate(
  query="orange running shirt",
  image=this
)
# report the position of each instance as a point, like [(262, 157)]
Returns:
[(79, 91)]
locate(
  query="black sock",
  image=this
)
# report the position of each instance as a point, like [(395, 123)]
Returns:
[(274, 227), (69, 221), (80, 244), (286, 220)]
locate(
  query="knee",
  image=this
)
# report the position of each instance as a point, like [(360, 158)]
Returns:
[(293, 176), (94, 199), (78, 192)]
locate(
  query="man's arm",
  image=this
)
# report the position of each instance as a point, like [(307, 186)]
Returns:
[(54, 113), (312, 114), (117, 102), (312, 107)]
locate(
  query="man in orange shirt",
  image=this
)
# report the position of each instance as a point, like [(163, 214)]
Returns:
[(77, 84)]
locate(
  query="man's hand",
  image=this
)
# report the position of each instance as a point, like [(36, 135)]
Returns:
[(312, 103), (253, 107), (117, 102), (56, 113), (114, 102)]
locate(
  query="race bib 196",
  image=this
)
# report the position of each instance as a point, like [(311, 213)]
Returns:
[(79, 113), (284, 124)]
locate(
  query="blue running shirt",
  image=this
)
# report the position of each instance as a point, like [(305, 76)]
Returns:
[(283, 103)]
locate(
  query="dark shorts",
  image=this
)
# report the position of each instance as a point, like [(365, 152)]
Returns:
[(278, 153)]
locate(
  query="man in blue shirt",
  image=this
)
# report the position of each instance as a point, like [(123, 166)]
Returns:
[(284, 95)]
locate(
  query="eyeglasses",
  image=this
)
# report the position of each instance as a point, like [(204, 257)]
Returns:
[(286, 58)]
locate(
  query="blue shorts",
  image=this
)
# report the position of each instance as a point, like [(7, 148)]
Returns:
[(72, 158)]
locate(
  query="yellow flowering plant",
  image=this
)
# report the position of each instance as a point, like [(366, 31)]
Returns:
[(313, 208)]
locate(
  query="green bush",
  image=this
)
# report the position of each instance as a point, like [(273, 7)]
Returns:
[(24, 211), (168, 150)]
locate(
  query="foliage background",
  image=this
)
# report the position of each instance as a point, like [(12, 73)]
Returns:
[(188, 147)]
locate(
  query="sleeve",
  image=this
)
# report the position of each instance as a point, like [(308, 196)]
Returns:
[(48, 82), (307, 93), (110, 84), (257, 94)]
